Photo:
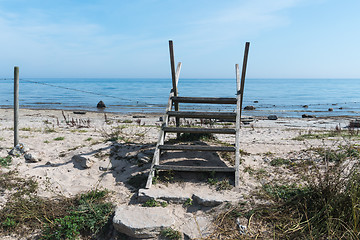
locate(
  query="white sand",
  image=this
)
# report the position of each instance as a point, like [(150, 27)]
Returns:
[(58, 173)]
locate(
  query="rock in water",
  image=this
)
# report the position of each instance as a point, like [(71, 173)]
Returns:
[(308, 116), (101, 104), (272, 117), (249, 108)]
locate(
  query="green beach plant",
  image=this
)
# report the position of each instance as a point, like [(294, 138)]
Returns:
[(6, 161)]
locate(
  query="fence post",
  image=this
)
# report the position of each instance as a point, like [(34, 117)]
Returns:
[(16, 106)]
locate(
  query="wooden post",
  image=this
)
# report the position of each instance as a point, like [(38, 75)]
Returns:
[(16, 106), (174, 80), (238, 123), (239, 97), (246, 53), (172, 62)]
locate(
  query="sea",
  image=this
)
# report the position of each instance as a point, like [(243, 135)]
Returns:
[(281, 97)]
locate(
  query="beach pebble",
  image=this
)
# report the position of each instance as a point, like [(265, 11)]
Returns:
[(272, 117), (249, 108), (101, 104), (85, 162), (31, 157)]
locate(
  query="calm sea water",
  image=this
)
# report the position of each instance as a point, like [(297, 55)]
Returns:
[(283, 97)]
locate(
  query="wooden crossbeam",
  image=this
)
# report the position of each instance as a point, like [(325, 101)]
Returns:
[(208, 115), (206, 100), (196, 148), (200, 130), (194, 168)]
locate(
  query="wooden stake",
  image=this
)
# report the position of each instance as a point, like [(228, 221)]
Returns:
[(175, 79), (246, 53), (16, 106)]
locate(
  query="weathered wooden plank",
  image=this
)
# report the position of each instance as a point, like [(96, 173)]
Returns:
[(194, 168), (206, 100), (197, 148), (209, 115), (200, 130)]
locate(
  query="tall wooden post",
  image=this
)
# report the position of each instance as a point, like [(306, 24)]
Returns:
[(239, 99), (174, 80), (16, 106), (246, 53)]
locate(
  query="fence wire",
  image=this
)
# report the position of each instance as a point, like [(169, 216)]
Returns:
[(73, 89)]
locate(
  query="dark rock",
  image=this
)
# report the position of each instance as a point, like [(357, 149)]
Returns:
[(81, 112), (256, 101), (330, 109), (249, 108), (139, 116), (305, 106), (354, 124), (272, 117), (101, 104), (340, 108), (308, 116)]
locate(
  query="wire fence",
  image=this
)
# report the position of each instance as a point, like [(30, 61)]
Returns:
[(76, 90)]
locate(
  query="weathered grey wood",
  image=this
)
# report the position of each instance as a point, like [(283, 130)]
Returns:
[(237, 126), (246, 53), (197, 148), (200, 130), (208, 115), (206, 100), (239, 97), (156, 157), (177, 74), (16, 106), (176, 105), (172, 65), (194, 168)]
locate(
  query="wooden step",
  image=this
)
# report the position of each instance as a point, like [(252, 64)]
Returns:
[(200, 130), (197, 148), (208, 115), (194, 168), (206, 100)]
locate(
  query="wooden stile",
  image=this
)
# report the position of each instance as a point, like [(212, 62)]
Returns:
[(174, 100)]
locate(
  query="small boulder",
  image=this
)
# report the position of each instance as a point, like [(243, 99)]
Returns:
[(272, 117), (305, 106), (31, 157), (307, 116), (142, 222), (101, 104), (85, 162), (249, 108), (330, 109), (256, 101)]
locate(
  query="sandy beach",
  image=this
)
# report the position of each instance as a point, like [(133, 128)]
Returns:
[(75, 153)]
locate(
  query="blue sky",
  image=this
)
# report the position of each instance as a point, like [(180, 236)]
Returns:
[(129, 38)]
